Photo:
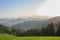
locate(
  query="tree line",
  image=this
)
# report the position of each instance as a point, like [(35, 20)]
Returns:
[(50, 30)]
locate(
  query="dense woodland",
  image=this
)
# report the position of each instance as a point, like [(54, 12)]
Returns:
[(50, 30)]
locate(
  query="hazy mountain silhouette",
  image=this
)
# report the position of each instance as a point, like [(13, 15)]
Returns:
[(10, 22), (36, 23)]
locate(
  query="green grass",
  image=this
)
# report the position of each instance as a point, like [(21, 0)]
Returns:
[(10, 37)]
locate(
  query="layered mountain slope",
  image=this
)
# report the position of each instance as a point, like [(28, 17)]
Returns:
[(10, 22), (36, 24), (3, 20), (15, 21)]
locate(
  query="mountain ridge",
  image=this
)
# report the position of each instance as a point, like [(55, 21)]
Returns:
[(37, 24), (20, 20)]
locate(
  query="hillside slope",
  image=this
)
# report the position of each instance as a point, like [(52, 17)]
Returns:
[(12, 21), (36, 24)]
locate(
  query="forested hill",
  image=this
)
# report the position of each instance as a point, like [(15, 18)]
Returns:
[(49, 30), (36, 23)]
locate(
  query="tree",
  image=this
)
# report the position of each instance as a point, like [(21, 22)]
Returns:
[(33, 32), (48, 31), (58, 30), (44, 31), (51, 29)]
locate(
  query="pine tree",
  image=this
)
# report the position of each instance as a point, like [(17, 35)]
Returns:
[(48, 31), (51, 29), (58, 30)]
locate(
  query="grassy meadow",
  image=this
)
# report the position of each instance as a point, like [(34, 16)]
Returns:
[(10, 37)]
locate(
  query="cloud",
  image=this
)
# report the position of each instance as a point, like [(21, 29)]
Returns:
[(49, 7)]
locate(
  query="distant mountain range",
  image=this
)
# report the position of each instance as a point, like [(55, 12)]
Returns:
[(13, 21), (3, 20), (36, 23), (30, 22)]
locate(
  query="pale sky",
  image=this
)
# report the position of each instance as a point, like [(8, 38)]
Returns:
[(17, 8), (50, 8)]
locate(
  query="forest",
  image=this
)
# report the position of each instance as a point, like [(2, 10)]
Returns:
[(50, 30)]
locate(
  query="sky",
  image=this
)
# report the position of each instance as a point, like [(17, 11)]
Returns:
[(49, 7), (22, 8)]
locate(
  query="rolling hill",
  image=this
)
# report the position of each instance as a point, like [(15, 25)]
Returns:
[(3, 20), (36, 24), (13, 21)]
